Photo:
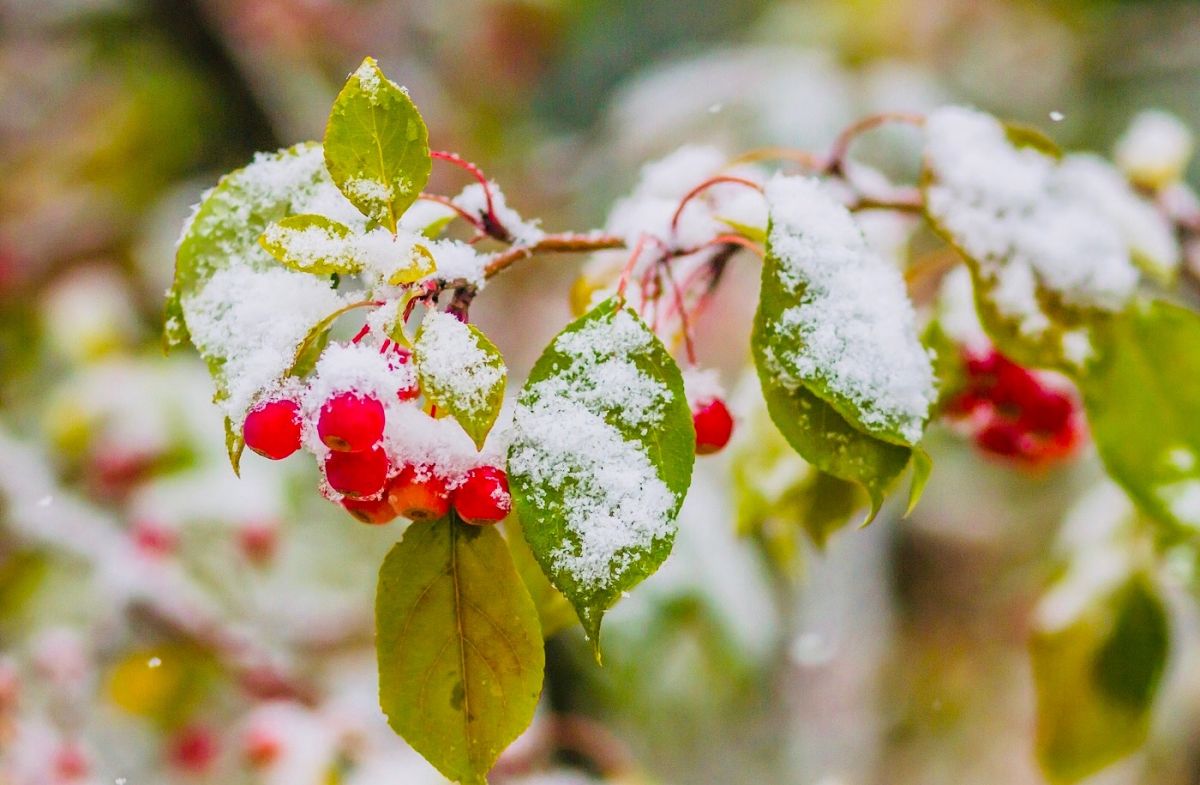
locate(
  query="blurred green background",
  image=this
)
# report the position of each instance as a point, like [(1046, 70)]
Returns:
[(896, 656)]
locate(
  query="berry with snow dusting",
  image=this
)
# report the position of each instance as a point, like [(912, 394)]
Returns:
[(350, 422), (272, 429), (483, 497), (419, 495), (357, 474)]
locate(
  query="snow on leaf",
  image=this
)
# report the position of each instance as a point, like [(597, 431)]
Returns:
[(601, 458), (245, 313), (461, 372), (311, 244), (1045, 250), (835, 318)]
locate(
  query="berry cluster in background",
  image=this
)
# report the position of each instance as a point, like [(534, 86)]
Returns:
[(1015, 413)]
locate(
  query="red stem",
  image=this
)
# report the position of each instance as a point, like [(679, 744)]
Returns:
[(477, 173), (723, 178), (445, 200)]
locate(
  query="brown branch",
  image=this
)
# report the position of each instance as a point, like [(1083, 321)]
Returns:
[(568, 242)]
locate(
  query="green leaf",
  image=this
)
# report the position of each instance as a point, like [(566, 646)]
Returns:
[(554, 610), (601, 458), (223, 233), (787, 325), (420, 265), (1096, 680), (1142, 395), (778, 494), (827, 441), (312, 244), (461, 372), (377, 146), (309, 350), (460, 653), (235, 445), (922, 466)]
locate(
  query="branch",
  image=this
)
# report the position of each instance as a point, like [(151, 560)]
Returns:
[(568, 242)]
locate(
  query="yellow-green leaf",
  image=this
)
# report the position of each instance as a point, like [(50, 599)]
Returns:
[(1142, 396), (461, 372), (421, 264), (312, 244), (377, 146), (1096, 680), (459, 647)]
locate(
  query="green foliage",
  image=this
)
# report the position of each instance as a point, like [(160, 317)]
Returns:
[(1096, 680), (459, 648), (826, 428), (554, 610), (377, 146), (778, 495), (311, 244), (545, 503), (224, 231), (465, 384), (1142, 394)]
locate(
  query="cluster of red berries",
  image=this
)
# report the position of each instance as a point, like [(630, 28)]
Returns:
[(351, 425), (1013, 413), (714, 425)]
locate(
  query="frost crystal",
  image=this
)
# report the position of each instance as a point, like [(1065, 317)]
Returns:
[(853, 328), (452, 362), (1023, 218), (614, 503)]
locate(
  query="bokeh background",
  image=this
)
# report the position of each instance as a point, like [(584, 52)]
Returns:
[(162, 621)]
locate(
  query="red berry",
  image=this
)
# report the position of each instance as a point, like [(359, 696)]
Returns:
[(714, 426), (357, 473), (194, 750), (154, 539), (373, 511), (1049, 413), (258, 541), (350, 422), (272, 429), (70, 763), (483, 497), (261, 747), (419, 496), (1002, 438), (408, 393)]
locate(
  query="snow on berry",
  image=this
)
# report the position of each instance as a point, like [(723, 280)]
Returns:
[(853, 328), (350, 422), (272, 428), (356, 368), (357, 474), (418, 494), (614, 503), (1021, 216), (483, 497)]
